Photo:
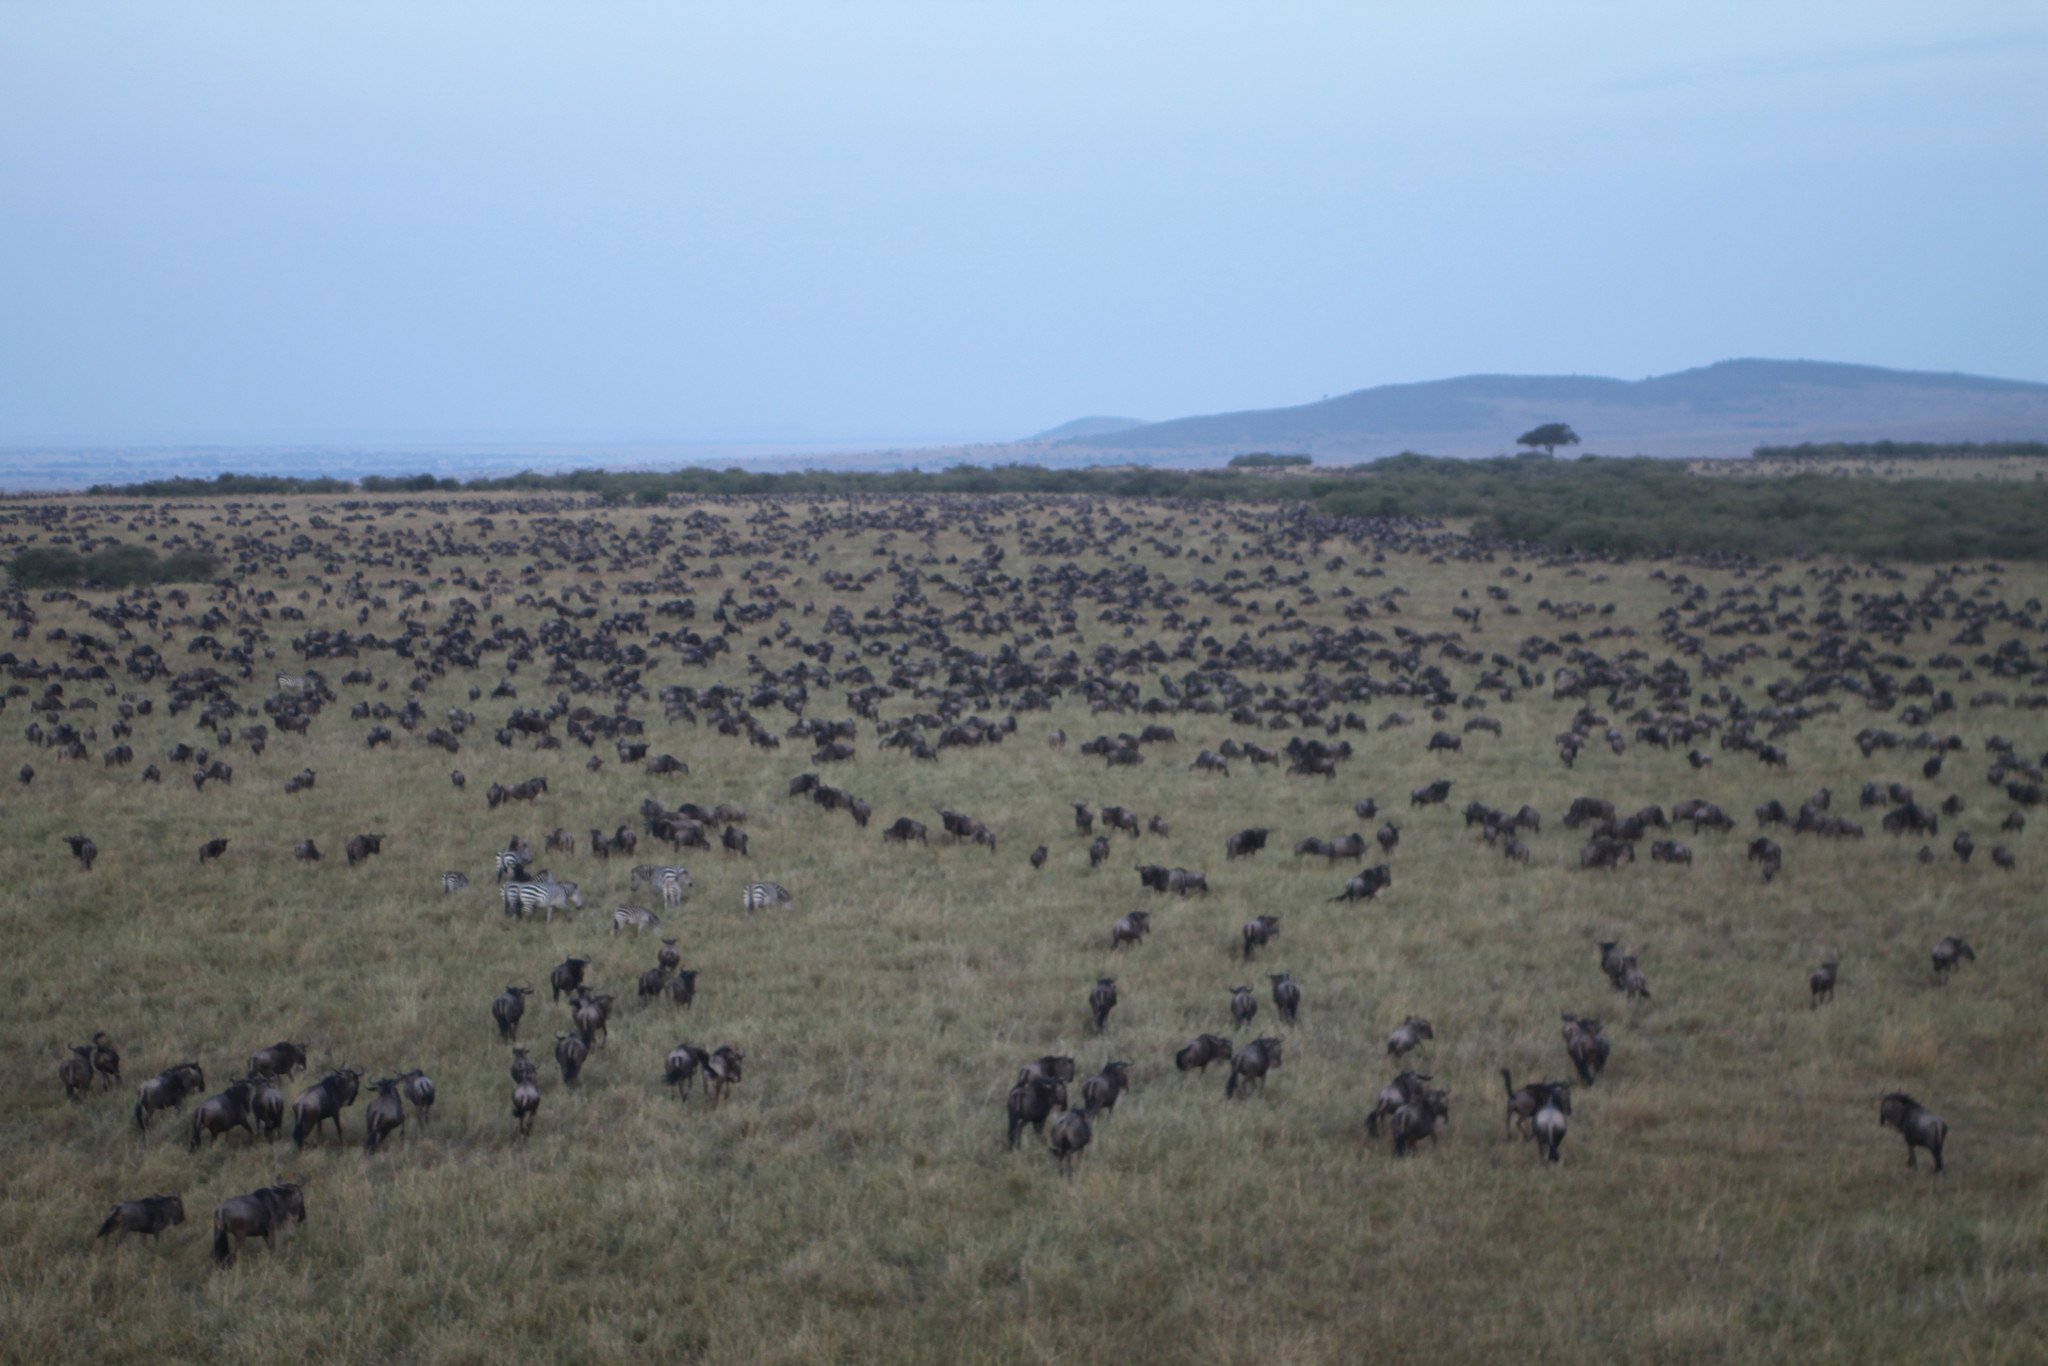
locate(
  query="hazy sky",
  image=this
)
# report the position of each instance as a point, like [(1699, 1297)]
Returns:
[(373, 223)]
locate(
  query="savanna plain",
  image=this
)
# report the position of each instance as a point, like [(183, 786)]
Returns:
[(1725, 1191)]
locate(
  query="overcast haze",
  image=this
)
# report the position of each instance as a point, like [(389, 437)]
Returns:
[(927, 223)]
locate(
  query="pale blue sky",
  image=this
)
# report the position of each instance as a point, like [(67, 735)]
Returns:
[(373, 223)]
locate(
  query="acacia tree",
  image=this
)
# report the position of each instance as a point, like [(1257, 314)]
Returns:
[(1549, 436)]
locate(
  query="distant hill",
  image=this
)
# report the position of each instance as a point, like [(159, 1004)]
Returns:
[(1089, 426), (1725, 409)]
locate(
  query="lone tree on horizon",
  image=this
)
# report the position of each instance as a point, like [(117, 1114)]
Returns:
[(1549, 436)]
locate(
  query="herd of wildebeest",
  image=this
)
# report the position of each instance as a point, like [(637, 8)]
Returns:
[(932, 654)]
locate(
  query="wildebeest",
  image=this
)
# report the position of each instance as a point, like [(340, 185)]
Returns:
[(307, 852), (1243, 1006), (1919, 1126), (384, 1115), (1409, 1036), (167, 1090), (1821, 983), (1606, 853), (1388, 835), (1420, 1118), (150, 1215), (1550, 1122), (525, 1102), (1286, 996), (1070, 1134), (1102, 1000), (722, 1070), (570, 1052), (905, 830), (1099, 1093), (1202, 1050), (324, 1100), (682, 987), (1051, 1067), (1245, 843), (508, 1009), (2003, 857), (106, 1060), (567, 975), (1523, 1102), (266, 1106), (259, 1214), (1586, 1045), (1670, 851), (681, 1065), (82, 849), (1038, 857), (75, 1072), (652, 981), (1948, 954), (1397, 1093), (1250, 1064), (281, 1059), (669, 956), (1433, 794), (1258, 932), (1963, 845), (229, 1110), (1033, 1102), (1130, 929), (1098, 851), (1367, 884)]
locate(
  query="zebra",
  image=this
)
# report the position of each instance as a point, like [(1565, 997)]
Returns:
[(759, 896), (522, 898), (511, 864), (673, 883), (635, 919), (298, 682), (453, 882)]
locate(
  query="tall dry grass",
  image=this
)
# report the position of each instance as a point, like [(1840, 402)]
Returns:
[(1725, 1194)]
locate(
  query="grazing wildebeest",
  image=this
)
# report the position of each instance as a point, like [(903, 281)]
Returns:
[(1920, 1127), (905, 830), (1099, 1093), (508, 1009), (1434, 794), (1245, 843), (1822, 982), (1243, 1006), (1251, 1063), (281, 1059), (1202, 1050), (167, 1090), (1038, 857), (1409, 1036), (1286, 995), (1033, 1102), (150, 1215), (1102, 1000), (1419, 1119), (2002, 857), (266, 1106), (1098, 851), (228, 1110), (384, 1115), (1950, 952), (1586, 1045), (1084, 820), (1397, 1093), (1070, 1134), (76, 1071), (682, 987), (1606, 853), (570, 1051), (82, 849), (259, 1214), (1367, 884), (1389, 835), (1550, 1122), (1258, 932), (360, 847), (307, 852), (324, 1100), (1130, 929), (1670, 851), (567, 975), (1963, 845), (106, 1060)]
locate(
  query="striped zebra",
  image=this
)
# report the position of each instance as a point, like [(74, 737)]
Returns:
[(636, 919), (525, 898), (298, 682), (511, 865), (452, 883), (759, 896), (673, 883)]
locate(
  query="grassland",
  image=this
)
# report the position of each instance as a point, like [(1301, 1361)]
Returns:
[(1726, 1193)]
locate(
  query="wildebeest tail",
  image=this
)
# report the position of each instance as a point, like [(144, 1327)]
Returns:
[(141, 1123), (298, 1131), (220, 1239), (113, 1222)]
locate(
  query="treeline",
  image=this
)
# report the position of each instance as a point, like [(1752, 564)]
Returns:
[(117, 566), (1899, 450), (1628, 506)]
